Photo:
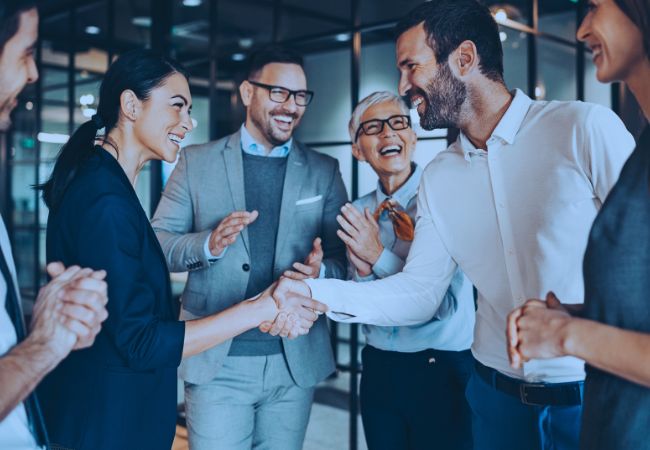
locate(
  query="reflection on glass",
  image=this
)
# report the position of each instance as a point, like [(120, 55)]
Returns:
[(515, 58), (557, 71), (558, 18)]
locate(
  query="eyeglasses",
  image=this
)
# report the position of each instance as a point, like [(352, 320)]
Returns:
[(376, 126), (402, 224), (279, 94)]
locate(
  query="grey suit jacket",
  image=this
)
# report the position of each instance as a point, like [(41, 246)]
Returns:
[(205, 187)]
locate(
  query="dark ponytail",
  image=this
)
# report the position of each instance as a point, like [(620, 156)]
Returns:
[(140, 71)]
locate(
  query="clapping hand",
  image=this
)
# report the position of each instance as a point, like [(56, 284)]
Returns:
[(360, 233), (311, 267)]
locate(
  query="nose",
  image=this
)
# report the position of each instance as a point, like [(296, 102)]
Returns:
[(32, 73), (187, 123), (584, 30), (404, 84), (386, 130), (290, 105)]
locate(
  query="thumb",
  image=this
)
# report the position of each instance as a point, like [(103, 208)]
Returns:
[(552, 301), (317, 246), (369, 216), (54, 269)]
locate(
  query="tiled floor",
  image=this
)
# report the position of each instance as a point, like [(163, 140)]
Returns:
[(327, 430)]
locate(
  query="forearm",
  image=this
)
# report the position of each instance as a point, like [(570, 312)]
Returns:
[(21, 370), (621, 352), (202, 334)]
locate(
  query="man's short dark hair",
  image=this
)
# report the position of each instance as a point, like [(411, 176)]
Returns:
[(447, 23), (10, 11), (272, 54)]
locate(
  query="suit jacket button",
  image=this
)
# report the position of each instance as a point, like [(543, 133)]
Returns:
[(245, 267)]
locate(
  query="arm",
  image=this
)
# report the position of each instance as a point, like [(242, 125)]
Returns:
[(174, 219), (546, 330), (406, 298), (333, 248)]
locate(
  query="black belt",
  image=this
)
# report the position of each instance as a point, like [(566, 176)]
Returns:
[(536, 394)]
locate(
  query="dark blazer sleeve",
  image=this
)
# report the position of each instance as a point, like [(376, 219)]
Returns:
[(333, 247), (110, 237)]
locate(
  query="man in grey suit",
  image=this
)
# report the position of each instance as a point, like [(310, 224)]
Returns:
[(237, 214)]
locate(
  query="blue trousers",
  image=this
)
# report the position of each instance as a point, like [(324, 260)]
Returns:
[(416, 401), (501, 422)]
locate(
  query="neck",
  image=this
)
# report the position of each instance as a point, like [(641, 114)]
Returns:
[(486, 106), (132, 156), (258, 136), (638, 83), (391, 183)]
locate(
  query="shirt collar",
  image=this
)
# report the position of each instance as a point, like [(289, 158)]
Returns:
[(508, 126), (406, 192), (250, 146)]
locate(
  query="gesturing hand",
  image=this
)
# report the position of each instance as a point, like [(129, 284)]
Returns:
[(228, 229), (311, 267), (360, 233), (297, 310), (537, 329)]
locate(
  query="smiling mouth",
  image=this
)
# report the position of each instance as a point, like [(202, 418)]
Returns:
[(390, 150), (284, 121), (176, 139)]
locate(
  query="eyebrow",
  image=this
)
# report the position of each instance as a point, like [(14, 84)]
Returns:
[(182, 98)]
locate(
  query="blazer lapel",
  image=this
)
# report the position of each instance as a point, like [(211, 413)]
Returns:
[(235, 173), (293, 179)]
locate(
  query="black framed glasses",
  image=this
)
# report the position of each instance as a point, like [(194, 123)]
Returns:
[(376, 126), (280, 94)]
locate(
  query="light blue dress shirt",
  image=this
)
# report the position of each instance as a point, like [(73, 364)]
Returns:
[(452, 333)]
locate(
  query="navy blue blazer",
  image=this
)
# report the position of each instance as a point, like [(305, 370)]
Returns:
[(121, 392)]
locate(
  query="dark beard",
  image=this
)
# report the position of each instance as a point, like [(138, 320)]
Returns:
[(445, 96)]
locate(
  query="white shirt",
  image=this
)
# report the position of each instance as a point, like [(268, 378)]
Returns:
[(515, 219), (14, 429)]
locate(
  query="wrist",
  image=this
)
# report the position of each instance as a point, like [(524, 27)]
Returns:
[(262, 309), (43, 355), (375, 256), (570, 336)]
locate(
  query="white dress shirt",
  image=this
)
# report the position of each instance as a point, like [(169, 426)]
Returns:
[(14, 429), (515, 219)]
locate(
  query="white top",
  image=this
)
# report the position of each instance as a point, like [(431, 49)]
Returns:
[(14, 429), (515, 219)]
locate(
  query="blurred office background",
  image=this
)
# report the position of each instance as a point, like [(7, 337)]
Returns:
[(349, 53)]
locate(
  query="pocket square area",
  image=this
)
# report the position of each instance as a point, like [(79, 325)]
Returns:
[(305, 201)]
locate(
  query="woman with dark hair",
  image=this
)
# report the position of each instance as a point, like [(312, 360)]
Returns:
[(612, 332), (121, 392)]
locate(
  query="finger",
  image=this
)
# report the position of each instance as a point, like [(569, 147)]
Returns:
[(278, 324), (99, 274), (307, 314), (81, 314), (294, 275), (55, 269), (78, 328), (305, 323), (370, 218), (353, 214), (87, 341), (347, 226), (512, 338), (67, 274), (317, 245), (303, 268), (348, 240), (265, 326), (291, 320), (533, 303), (88, 299), (312, 304), (89, 283), (552, 301)]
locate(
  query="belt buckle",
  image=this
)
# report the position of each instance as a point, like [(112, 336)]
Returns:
[(523, 393)]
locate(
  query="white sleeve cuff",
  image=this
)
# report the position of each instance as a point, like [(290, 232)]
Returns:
[(206, 250)]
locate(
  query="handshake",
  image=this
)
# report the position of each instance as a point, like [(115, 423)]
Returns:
[(292, 311)]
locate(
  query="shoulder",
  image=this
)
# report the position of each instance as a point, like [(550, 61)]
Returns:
[(366, 201), (572, 113)]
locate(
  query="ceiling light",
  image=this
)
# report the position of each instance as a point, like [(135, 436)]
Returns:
[(88, 112), (52, 138), (29, 106), (238, 57), (246, 42), (500, 15), (92, 29), (540, 92), (503, 36), (192, 2), (141, 21), (342, 37), (87, 99)]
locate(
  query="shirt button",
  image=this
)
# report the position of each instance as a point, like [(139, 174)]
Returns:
[(245, 267)]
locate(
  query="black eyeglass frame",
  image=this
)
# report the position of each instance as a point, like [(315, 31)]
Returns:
[(384, 122), (289, 92)]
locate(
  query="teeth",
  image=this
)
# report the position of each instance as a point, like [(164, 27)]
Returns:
[(390, 149), (174, 138), (285, 119), (417, 102)]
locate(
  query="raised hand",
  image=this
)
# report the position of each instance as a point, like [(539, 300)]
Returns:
[(297, 310), (311, 267), (537, 329), (228, 229), (360, 233)]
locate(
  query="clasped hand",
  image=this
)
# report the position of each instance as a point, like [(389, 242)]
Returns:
[(296, 310)]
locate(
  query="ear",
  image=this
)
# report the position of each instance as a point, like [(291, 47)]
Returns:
[(130, 104), (357, 153), (246, 92), (464, 59)]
